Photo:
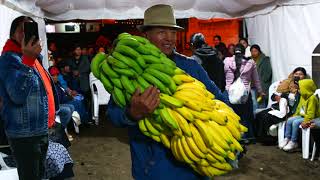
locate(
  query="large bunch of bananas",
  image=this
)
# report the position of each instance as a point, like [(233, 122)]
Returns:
[(200, 130)]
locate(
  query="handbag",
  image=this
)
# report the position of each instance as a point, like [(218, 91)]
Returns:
[(238, 93)]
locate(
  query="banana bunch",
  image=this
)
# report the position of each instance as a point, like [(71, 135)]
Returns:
[(200, 130)]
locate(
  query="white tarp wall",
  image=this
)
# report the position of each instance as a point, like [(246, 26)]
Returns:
[(7, 15), (289, 34)]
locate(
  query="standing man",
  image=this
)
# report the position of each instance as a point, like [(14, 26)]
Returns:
[(207, 56), (29, 101), (220, 46), (151, 160)]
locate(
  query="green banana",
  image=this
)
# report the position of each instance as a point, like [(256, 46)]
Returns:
[(143, 83), (126, 50), (170, 101), (126, 72), (151, 59), (178, 71), (96, 61), (168, 62), (153, 48), (154, 81), (160, 75), (150, 127), (130, 62), (143, 50), (128, 96), (141, 39), (129, 41), (163, 68), (168, 119), (123, 35), (137, 85), (106, 83), (115, 62), (117, 82), (108, 71), (142, 126), (127, 84), (119, 97)]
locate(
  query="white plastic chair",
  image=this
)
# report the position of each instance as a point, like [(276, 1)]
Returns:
[(7, 172), (99, 96), (272, 89), (306, 144)]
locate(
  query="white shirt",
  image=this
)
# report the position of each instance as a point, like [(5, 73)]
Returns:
[(248, 52), (283, 109)]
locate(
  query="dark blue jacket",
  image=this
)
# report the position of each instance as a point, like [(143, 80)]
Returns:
[(25, 102), (151, 160)]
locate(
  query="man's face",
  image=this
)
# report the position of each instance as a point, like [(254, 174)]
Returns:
[(255, 53), (244, 43), (164, 38), (55, 78), (19, 33), (77, 51), (216, 41)]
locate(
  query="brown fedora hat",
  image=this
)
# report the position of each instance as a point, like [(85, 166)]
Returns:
[(159, 15)]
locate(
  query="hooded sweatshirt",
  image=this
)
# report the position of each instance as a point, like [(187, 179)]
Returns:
[(207, 57), (309, 103)]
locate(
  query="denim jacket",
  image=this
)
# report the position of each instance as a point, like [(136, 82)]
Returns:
[(151, 160), (25, 102)]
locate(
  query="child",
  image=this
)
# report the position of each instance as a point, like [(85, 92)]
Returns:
[(308, 109)]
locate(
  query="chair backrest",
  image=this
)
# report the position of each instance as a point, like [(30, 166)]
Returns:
[(272, 89), (97, 87)]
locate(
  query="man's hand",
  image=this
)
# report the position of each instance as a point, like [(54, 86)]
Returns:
[(144, 104), (31, 50)]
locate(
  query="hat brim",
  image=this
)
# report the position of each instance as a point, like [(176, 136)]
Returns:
[(143, 27)]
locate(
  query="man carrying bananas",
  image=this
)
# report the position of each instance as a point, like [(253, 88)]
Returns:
[(151, 160)]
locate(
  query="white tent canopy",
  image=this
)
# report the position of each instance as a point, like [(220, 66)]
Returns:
[(287, 30)]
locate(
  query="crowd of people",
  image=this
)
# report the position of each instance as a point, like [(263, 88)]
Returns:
[(32, 99)]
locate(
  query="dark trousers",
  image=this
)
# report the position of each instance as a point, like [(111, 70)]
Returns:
[(245, 111), (30, 155)]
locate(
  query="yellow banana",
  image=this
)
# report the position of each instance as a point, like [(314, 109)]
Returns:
[(243, 128), (191, 86), (204, 170), (220, 132), (195, 168), (216, 156), (217, 149), (218, 117), (187, 102), (174, 149), (198, 139), (237, 145), (232, 147), (217, 136), (185, 113), (203, 162), (215, 172), (187, 150), (165, 140), (182, 123), (182, 153), (203, 130), (183, 77), (222, 166), (211, 159), (200, 115), (150, 128), (156, 138), (171, 101), (142, 126), (194, 148), (231, 155), (234, 131)]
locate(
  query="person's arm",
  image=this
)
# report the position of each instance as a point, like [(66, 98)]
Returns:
[(228, 72), (267, 70), (312, 108), (17, 78), (255, 78), (62, 81), (211, 86)]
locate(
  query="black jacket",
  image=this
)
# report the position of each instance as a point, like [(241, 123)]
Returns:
[(212, 64)]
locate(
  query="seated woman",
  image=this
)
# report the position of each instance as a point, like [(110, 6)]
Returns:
[(308, 110), (287, 98), (69, 99)]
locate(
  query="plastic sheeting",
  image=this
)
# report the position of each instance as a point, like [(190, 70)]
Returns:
[(133, 9), (288, 35)]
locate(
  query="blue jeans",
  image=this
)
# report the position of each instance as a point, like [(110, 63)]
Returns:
[(65, 114), (292, 128)]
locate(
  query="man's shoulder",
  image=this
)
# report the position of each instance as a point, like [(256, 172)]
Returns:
[(9, 57), (184, 58)]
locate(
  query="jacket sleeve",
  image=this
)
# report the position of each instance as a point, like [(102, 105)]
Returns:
[(255, 77), (312, 107), (62, 82), (267, 70), (118, 116), (228, 73), (211, 86), (16, 77)]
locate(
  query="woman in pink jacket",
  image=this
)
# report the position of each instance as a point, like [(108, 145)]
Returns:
[(239, 66)]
